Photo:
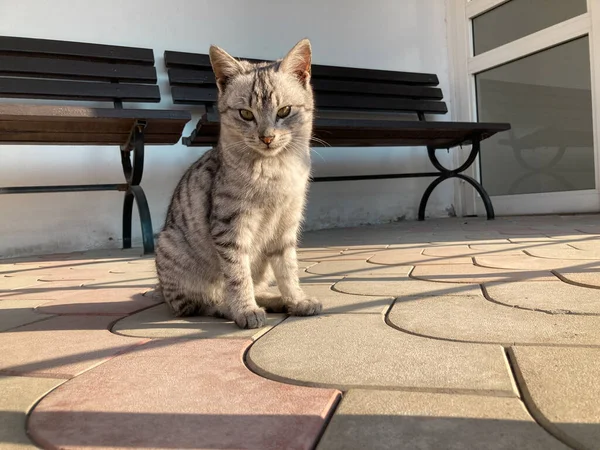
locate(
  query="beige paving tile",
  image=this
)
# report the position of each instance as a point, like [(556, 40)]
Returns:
[(457, 251), (523, 262), (565, 253), (468, 273), (356, 268), (14, 313), (590, 245), (359, 350), (306, 277), (474, 319), (395, 286), (561, 387), (411, 257), (17, 396), (342, 303), (180, 394), (554, 297), (109, 301), (158, 322), (8, 282), (393, 420), (61, 346), (360, 255), (587, 275)]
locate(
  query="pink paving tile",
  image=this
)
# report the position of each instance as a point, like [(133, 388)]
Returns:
[(180, 394), (61, 346), (115, 302)]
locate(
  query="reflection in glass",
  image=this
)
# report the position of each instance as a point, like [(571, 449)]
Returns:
[(546, 97)]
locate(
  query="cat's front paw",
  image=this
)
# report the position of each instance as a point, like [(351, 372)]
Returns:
[(251, 318), (306, 306)]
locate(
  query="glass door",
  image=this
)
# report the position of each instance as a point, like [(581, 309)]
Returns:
[(530, 63)]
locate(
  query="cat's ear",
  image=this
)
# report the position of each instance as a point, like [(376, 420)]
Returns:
[(297, 61), (224, 66)]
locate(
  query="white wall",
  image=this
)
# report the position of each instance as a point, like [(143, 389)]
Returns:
[(385, 34)]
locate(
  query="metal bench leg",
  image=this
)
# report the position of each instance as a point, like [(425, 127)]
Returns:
[(133, 174), (456, 173)]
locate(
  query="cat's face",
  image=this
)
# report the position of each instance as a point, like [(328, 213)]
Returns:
[(266, 107)]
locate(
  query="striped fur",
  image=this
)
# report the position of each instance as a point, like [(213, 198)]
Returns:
[(234, 217)]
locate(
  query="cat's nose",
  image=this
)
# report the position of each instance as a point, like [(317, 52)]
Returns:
[(267, 139)]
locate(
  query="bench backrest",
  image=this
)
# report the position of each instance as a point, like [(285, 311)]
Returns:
[(337, 89), (61, 70)]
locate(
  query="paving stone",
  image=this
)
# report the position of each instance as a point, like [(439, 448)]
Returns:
[(8, 282), (411, 257), (592, 245), (396, 286), (158, 322), (523, 262), (61, 346), (468, 273), (180, 394), (311, 278), (554, 297), (356, 268), (114, 302), (17, 396), (561, 387), (533, 240), (359, 350), (461, 251), (14, 313), (360, 255), (42, 291), (337, 302), (130, 281), (395, 420), (586, 275), (564, 254), (474, 319)]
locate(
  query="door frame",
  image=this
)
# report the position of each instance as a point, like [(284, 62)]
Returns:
[(462, 69)]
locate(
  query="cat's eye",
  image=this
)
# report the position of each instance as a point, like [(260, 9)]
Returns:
[(246, 114), (284, 112)]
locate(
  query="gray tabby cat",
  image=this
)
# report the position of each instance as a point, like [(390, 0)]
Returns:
[(235, 215)]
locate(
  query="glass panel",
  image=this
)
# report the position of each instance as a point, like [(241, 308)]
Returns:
[(519, 18), (546, 97)]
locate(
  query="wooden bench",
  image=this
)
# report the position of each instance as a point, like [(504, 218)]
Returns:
[(355, 108), (59, 70)]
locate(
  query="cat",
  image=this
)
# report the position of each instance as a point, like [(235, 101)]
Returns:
[(235, 216)]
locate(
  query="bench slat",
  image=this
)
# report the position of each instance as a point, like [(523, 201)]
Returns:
[(182, 77), (192, 60), (77, 90), (370, 133), (208, 95), (189, 77), (10, 45), (19, 112), (361, 87), (343, 101), (66, 68), (87, 138)]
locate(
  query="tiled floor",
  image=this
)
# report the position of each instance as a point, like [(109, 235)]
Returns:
[(448, 334)]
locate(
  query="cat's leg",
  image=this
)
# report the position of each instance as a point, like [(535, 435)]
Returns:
[(233, 248), (262, 275), (285, 266)]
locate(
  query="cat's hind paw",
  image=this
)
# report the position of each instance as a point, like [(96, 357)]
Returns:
[(307, 306)]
